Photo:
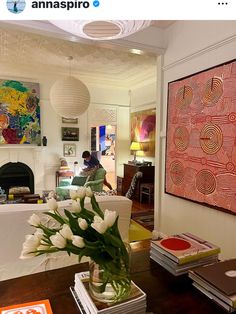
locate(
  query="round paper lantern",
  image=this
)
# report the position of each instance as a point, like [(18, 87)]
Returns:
[(69, 97), (102, 30)]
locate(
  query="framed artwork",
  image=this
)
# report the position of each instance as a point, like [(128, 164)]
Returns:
[(201, 138), (19, 112), (69, 120), (143, 130), (69, 150), (69, 134)]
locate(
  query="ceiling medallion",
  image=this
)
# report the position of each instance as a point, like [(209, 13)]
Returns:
[(102, 30)]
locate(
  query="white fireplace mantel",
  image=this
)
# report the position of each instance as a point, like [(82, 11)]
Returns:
[(21, 146), (30, 155)]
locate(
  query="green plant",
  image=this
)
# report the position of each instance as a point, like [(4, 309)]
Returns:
[(83, 232)]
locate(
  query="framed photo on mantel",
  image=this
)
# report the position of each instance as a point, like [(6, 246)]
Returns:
[(69, 134)]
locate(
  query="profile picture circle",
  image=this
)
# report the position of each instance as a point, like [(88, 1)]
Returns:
[(15, 6)]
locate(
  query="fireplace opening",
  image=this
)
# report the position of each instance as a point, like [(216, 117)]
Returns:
[(16, 174)]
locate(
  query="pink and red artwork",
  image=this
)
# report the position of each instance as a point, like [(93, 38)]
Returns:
[(201, 138)]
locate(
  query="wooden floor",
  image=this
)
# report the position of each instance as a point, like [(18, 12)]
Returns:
[(141, 207)]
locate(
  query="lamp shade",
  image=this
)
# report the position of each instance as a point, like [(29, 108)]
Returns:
[(101, 30), (135, 146), (69, 97)]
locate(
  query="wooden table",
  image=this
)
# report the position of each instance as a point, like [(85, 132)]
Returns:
[(166, 294)]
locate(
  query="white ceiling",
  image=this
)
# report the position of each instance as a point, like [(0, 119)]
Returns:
[(44, 46)]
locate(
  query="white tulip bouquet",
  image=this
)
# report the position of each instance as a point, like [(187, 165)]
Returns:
[(83, 232)]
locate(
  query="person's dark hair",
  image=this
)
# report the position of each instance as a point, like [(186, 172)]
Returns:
[(86, 154)]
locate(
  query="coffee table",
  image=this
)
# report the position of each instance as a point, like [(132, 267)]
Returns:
[(166, 294)]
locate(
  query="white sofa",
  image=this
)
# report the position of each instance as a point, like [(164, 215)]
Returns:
[(14, 227)]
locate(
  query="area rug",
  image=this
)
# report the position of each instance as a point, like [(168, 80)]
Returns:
[(146, 219), (138, 232)]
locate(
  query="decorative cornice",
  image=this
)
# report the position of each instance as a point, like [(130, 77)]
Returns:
[(200, 52)]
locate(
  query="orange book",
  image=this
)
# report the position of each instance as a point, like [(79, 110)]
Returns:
[(37, 307)]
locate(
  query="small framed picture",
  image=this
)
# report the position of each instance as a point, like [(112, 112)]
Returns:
[(69, 150), (69, 120), (69, 134)]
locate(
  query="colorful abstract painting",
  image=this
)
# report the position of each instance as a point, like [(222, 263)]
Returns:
[(201, 138), (19, 113), (143, 130)]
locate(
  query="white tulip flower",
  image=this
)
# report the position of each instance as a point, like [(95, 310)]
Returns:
[(34, 220), (99, 225), (58, 240), (76, 206), (52, 204), (66, 232), (39, 233), (29, 246), (78, 241), (110, 217), (31, 242), (25, 254), (89, 192), (43, 247), (73, 194), (81, 192), (82, 223)]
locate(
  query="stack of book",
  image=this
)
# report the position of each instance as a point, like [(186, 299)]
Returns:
[(180, 253), (134, 304), (218, 282)]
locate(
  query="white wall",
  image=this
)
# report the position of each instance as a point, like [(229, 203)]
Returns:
[(122, 145), (194, 46)]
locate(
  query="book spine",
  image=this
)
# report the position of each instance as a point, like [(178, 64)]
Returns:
[(164, 265), (207, 250), (184, 267), (218, 301), (189, 258), (203, 283), (77, 301), (164, 252), (88, 303)]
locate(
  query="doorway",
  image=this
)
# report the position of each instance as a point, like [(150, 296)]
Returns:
[(103, 140)]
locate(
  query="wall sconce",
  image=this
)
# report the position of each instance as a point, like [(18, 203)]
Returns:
[(135, 146)]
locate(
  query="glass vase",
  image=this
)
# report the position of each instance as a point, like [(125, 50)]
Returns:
[(110, 282)]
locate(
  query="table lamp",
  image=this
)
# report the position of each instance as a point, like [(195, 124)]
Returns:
[(135, 146)]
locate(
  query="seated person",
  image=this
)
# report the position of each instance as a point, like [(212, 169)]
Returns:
[(93, 163)]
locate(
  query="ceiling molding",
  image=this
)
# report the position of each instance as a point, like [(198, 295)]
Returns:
[(41, 46)]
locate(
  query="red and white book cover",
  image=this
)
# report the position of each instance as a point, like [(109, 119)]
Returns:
[(37, 307)]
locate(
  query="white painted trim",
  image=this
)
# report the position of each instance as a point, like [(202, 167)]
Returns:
[(108, 104), (158, 152), (200, 52)]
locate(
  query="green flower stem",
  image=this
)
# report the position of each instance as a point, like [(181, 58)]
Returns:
[(117, 277), (96, 207), (48, 232)]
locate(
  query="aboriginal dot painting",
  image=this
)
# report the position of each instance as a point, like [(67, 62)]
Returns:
[(201, 138)]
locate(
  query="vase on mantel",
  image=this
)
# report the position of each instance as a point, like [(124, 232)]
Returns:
[(110, 282), (44, 141)]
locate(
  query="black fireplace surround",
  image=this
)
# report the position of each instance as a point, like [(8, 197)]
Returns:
[(16, 174)]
